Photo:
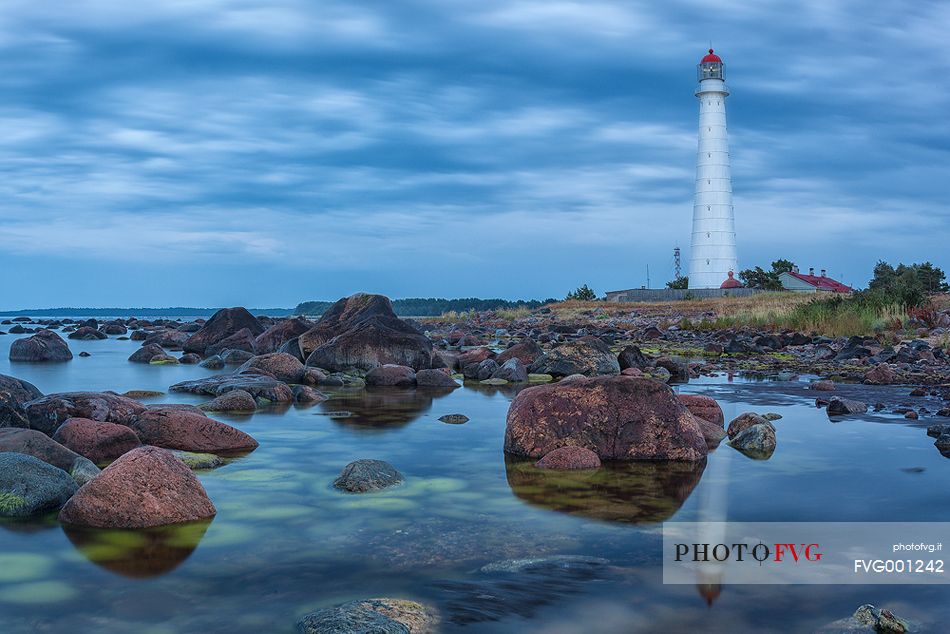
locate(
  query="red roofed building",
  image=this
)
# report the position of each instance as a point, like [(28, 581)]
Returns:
[(811, 283)]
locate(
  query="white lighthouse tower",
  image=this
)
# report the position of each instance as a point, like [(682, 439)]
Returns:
[(712, 259)]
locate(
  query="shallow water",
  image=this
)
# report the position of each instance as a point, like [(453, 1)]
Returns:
[(284, 542)]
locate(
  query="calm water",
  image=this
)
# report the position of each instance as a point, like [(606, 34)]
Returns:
[(284, 543)]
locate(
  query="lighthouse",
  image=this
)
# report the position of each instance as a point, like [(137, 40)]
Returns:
[(713, 259)]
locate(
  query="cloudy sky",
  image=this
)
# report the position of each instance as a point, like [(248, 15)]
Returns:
[(264, 152)]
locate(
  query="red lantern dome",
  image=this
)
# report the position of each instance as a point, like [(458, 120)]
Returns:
[(731, 282), (712, 57)]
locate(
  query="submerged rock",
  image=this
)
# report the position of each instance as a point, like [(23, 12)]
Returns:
[(454, 419), (29, 486), (146, 487), (569, 458), (44, 346), (757, 441), (199, 461), (619, 418), (362, 476), (372, 616)]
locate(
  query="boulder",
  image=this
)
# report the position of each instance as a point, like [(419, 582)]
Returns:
[(96, 440), (757, 441), (233, 401), (435, 378), (372, 616), (743, 421), (168, 339), (845, 406), (512, 370), (703, 407), (178, 429), (678, 368), (42, 447), (362, 332), (19, 391), (881, 374), (146, 487), (305, 394), (44, 346), (47, 413), (114, 328), (473, 357), (214, 362), (147, 352), (224, 324), (527, 352), (362, 476), (390, 375), (87, 333), (822, 386), (480, 371), (567, 458), (189, 358), (588, 356), (280, 365), (29, 486), (280, 333), (242, 341), (264, 389), (618, 418), (632, 357)]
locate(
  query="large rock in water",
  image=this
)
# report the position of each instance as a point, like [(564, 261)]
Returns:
[(49, 412), (13, 393), (182, 429), (280, 365), (146, 487), (280, 333), (42, 447), (527, 351), (362, 332), (588, 356), (372, 616), (45, 345), (96, 440), (223, 324), (29, 486), (704, 407), (618, 418), (362, 476)]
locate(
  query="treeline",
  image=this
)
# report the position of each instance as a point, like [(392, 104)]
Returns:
[(434, 306)]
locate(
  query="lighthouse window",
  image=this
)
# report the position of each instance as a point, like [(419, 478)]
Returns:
[(707, 207), (709, 154), (708, 182), (707, 235), (707, 261)]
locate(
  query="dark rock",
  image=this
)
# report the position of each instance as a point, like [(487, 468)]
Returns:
[(632, 357), (263, 388), (618, 418), (454, 419), (189, 358), (435, 378), (29, 486), (474, 357), (362, 476), (527, 352), (236, 357), (47, 413), (87, 333), (242, 340), (114, 329), (844, 406), (42, 447), (566, 458), (224, 324), (743, 421), (96, 440), (146, 353), (362, 332), (233, 401), (484, 370), (588, 356), (19, 391), (177, 429), (146, 487), (678, 368), (44, 346), (372, 616), (757, 441), (305, 394), (881, 374), (822, 386), (280, 365), (512, 370), (280, 333), (213, 362), (167, 339), (391, 375)]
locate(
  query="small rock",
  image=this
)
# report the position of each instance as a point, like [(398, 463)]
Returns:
[(844, 406), (305, 394), (770, 416), (213, 362), (757, 441), (454, 419), (743, 422), (362, 476), (435, 378), (822, 386), (199, 461)]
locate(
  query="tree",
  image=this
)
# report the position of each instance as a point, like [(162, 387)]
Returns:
[(907, 284), (582, 293), (680, 282), (767, 280)]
